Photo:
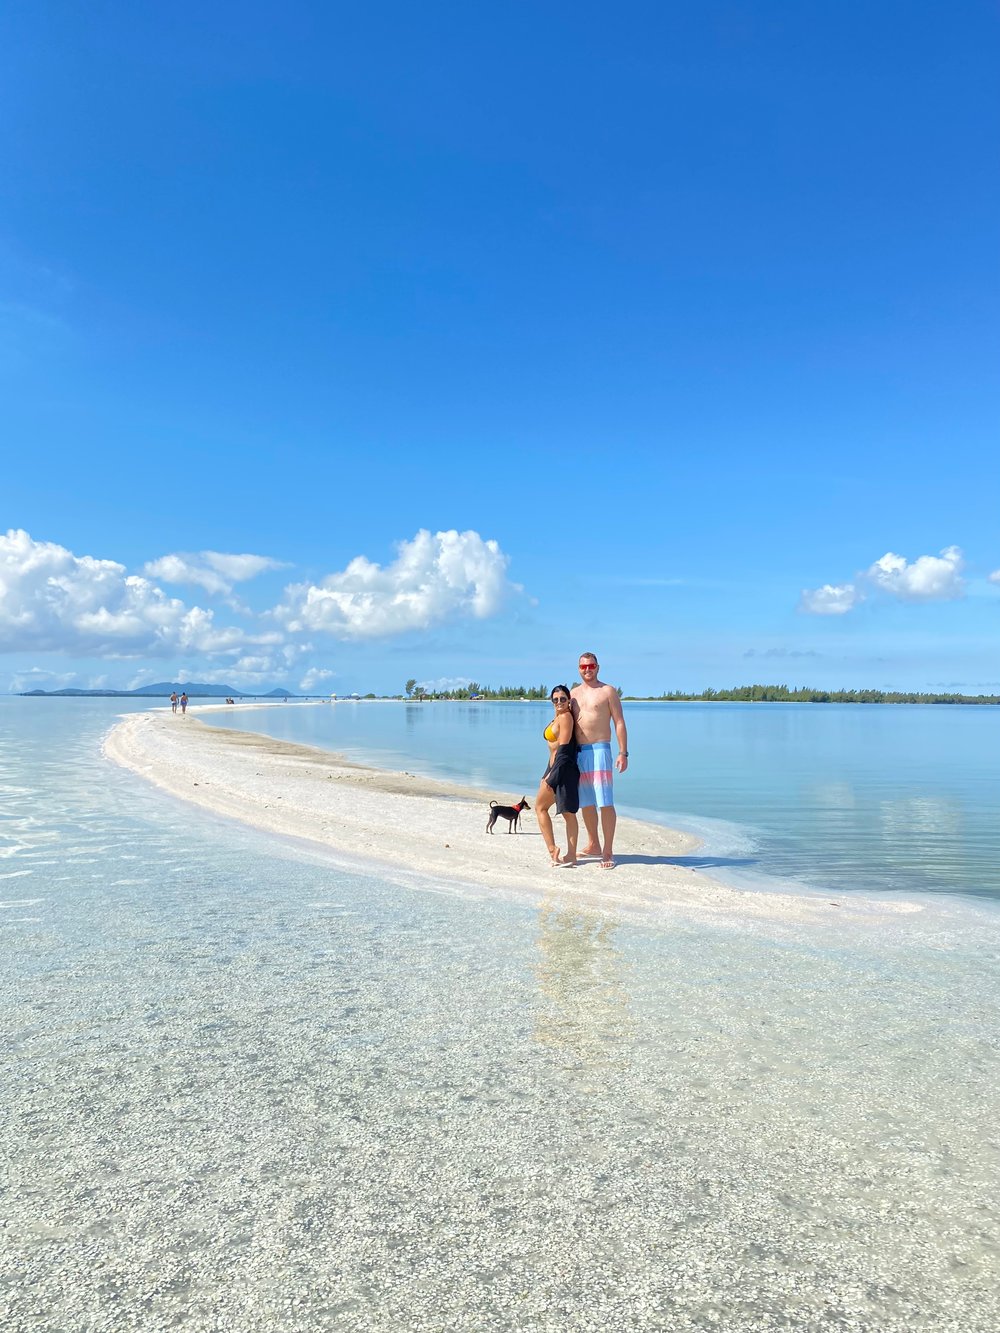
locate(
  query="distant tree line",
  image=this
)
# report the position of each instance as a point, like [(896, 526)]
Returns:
[(476, 691), (781, 694)]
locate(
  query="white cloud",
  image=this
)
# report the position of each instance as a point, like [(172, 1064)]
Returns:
[(929, 578), (445, 683), (55, 601), (144, 676), (780, 652), (51, 599), (179, 569), (38, 678), (254, 664), (995, 576), (433, 579), (214, 571), (245, 673), (830, 600), (258, 669), (314, 679)]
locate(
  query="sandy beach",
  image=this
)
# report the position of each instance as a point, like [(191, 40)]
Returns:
[(373, 1069), (405, 822)]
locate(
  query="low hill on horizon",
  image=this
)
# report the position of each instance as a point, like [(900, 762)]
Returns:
[(193, 689)]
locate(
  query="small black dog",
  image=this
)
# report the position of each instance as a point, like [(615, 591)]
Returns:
[(512, 814)]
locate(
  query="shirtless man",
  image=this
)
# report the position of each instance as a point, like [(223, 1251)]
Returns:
[(596, 706)]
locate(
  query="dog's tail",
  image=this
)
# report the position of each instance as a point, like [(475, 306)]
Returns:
[(492, 804)]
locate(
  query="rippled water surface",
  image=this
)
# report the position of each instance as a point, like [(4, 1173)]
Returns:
[(837, 797), (247, 1087)]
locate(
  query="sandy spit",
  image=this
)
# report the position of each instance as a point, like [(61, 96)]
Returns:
[(434, 829)]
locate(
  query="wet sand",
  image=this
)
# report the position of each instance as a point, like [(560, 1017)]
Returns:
[(436, 829)]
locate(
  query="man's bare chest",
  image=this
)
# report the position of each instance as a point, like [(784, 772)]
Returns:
[(593, 710)]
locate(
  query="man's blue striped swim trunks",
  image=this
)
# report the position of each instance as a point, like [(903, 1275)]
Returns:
[(596, 774)]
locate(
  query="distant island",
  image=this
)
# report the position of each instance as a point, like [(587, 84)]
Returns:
[(193, 689), (753, 694), (476, 693), (781, 694)]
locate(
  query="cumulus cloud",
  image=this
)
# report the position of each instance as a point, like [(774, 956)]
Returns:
[(435, 578), (445, 683), (38, 678), (144, 676), (314, 679), (254, 664), (53, 600), (250, 673), (929, 578), (830, 600), (267, 666), (215, 571), (995, 576)]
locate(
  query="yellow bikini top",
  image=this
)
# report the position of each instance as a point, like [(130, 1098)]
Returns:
[(550, 732)]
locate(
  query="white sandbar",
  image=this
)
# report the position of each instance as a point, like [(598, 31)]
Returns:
[(430, 828)]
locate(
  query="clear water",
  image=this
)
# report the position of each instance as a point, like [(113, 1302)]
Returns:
[(248, 1087), (841, 798)]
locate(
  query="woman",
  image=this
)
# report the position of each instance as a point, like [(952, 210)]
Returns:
[(561, 780)]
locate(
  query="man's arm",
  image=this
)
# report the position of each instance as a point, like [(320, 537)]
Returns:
[(618, 718)]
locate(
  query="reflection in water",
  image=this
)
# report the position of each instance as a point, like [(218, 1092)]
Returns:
[(583, 1005), (926, 816), (830, 795)]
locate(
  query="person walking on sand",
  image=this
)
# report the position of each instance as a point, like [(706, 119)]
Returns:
[(173, 702), (184, 702), (560, 781), (596, 707)]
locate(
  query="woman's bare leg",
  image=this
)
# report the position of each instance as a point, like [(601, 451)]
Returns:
[(543, 802), (572, 832)]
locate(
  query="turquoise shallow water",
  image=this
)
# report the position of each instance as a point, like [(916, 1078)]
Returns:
[(839, 798), (250, 1087)]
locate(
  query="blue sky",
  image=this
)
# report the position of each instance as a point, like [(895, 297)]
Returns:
[(341, 344)]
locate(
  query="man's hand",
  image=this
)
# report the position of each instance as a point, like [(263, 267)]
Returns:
[(621, 763)]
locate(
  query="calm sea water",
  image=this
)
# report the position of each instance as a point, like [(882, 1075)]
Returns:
[(836, 797), (248, 1086)]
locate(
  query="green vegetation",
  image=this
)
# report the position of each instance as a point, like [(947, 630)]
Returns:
[(476, 691), (781, 694), (753, 694)]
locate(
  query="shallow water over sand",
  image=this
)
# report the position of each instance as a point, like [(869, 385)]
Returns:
[(250, 1087), (834, 797)]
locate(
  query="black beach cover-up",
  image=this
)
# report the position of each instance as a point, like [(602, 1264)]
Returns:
[(563, 776)]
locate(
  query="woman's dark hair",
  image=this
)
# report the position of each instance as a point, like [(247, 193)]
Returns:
[(557, 688)]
